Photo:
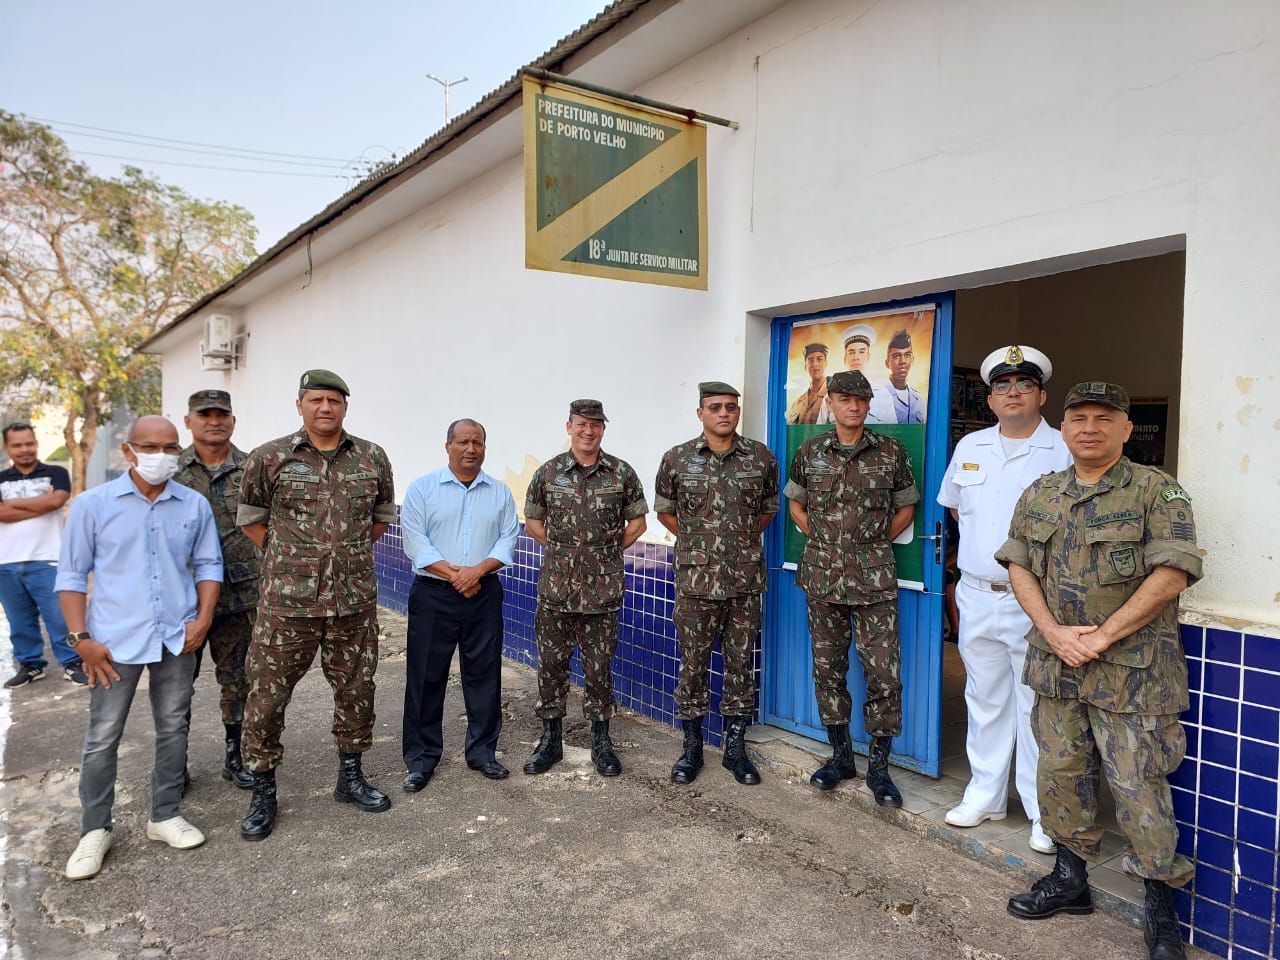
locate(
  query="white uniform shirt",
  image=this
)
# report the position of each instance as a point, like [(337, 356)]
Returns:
[(984, 488)]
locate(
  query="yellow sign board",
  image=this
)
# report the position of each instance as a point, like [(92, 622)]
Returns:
[(613, 190)]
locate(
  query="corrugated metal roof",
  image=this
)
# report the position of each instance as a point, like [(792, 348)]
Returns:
[(604, 21)]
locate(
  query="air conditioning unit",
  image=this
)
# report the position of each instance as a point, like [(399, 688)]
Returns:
[(218, 348)]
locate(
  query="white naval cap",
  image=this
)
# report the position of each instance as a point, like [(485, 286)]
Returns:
[(859, 331), (1016, 358)]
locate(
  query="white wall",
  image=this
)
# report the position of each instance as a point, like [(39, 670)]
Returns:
[(884, 149)]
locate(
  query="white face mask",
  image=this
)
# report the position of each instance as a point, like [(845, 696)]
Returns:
[(155, 468)]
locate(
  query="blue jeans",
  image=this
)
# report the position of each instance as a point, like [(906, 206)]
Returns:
[(169, 684), (26, 591)]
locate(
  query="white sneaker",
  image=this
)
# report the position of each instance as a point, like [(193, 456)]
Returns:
[(87, 859), (967, 815), (1040, 841), (176, 832)]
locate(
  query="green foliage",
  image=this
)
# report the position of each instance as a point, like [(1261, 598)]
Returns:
[(90, 267), (61, 455)]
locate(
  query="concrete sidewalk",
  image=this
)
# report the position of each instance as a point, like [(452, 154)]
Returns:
[(566, 865)]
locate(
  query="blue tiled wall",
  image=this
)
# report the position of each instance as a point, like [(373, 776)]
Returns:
[(1225, 793)]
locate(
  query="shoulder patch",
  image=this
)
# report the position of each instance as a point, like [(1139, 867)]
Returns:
[(1175, 493)]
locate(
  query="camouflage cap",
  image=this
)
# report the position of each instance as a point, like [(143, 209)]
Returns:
[(323, 380), (815, 348), (591, 409), (209, 400), (851, 382), (1097, 391), (716, 388)]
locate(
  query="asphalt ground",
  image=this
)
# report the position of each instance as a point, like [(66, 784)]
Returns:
[(565, 865)]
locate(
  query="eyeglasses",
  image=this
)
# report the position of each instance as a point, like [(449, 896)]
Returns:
[(172, 448), (1023, 385)]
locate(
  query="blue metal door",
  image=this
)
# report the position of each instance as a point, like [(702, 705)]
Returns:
[(788, 692)]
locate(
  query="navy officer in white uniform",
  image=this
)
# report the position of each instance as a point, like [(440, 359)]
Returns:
[(987, 474)]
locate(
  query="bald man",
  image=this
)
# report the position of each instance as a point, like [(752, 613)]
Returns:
[(152, 547)]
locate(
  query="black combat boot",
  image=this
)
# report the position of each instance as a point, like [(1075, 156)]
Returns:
[(841, 765), (735, 751), (602, 755), (878, 778), (1160, 923), (262, 807), (1065, 890), (354, 788), (550, 748), (233, 766), (690, 762)]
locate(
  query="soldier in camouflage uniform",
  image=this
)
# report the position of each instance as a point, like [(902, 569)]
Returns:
[(852, 493), (1097, 555), (315, 502), (717, 493), (214, 467), (585, 507)]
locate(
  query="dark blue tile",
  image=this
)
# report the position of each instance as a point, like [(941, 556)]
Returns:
[(1182, 904), (1215, 815), (1256, 864), (1239, 953), (1219, 713), (1261, 688), (1210, 943), (1262, 759), (1250, 933), (1214, 850), (1213, 884), (1211, 918), (1217, 747), (1192, 639), (1255, 899), (1260, 723), (1186, 839), (1262, 652), (1257, 794), (1192, 713), (1184, 805), (1195, 674), (1222, 679), (1223, 645), (1256, 828)]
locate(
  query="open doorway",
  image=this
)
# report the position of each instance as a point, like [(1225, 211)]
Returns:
[(1120, 322)]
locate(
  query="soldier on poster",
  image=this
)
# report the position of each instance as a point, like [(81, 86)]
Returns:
[(809, 405)]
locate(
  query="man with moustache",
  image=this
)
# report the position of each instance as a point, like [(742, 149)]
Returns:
[(986, 476), (459, 527), (314, 502), (152, 548), (852, 492), (717, 493), (585, 507), (1098, 554), (214, 467), (806, 407)]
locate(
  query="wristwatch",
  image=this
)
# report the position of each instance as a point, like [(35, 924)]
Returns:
[(74, 638)]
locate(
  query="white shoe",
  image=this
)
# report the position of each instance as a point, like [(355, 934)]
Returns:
[(1040, 841), (176, 832), (87, 859), (967, 815)]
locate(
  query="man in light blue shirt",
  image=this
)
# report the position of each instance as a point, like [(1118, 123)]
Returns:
[(459, 528), (152, 547)]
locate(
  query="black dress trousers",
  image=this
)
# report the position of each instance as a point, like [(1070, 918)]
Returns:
[(440, 619)]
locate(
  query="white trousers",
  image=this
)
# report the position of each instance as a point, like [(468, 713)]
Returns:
[(993, 646)]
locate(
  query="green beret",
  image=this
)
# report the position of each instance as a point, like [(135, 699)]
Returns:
[(591, 409), (323, 380), (1097, 391), (716, 388), (850, 382)]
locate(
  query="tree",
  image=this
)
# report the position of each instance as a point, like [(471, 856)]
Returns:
[(90, 267)]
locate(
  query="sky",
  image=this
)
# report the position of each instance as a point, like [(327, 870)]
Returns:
[(327, 84)]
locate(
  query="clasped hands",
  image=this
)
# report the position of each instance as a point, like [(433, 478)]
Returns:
[(1076, 646), (466, 580)]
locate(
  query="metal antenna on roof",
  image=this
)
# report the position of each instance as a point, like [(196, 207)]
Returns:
[(446, 84)]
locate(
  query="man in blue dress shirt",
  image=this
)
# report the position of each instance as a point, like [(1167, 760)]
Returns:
[(152, 547), (459, 528)]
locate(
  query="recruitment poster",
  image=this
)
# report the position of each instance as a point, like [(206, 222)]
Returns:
[(892, 349)]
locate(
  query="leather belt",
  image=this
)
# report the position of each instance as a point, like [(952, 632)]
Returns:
[(991, 586)]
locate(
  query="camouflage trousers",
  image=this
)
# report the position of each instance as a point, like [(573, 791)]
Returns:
[(596, 636), (737, 621), (875, 631), (1078, 742), (280, 655), (228, 643)]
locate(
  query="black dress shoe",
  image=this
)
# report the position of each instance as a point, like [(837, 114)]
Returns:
[(415, 780), (491, 769)]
